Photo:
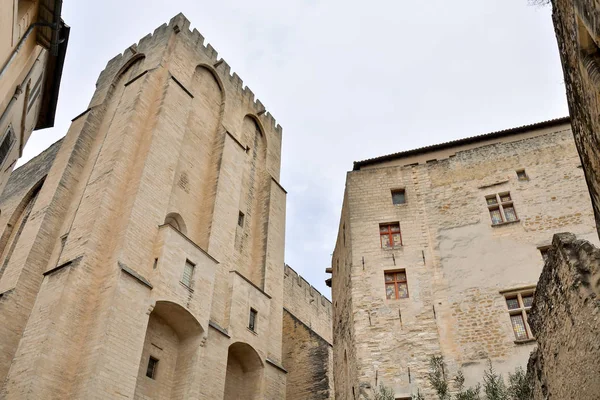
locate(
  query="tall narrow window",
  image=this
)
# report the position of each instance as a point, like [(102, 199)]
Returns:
[(396, 285), (188, 273), (7, 144), (252, 320), (241, 219), (501, 208), (390, 235), (398, 196), (519, 305), (152, 366)]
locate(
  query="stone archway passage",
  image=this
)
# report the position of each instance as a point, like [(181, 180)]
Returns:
[(244, 373), (170, 350)]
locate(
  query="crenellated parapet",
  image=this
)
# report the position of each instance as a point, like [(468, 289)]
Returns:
[(207, 56), (306, 303)]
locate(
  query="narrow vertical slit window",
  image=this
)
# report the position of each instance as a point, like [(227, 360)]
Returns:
[(241, 219), (7, 143), (188, 273), (252, 320), (152, 367)]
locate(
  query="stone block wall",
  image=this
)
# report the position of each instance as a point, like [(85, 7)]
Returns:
[(565, 319), (307, 340), (460, 268), (577, 28)]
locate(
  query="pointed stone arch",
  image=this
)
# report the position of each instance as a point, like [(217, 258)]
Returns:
[(176, 221), (245, 370), (16, 223), (172, 343)]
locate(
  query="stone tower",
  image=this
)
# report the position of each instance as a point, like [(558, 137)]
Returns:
[(147, 262)]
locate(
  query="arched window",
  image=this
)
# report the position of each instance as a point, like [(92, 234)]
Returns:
[(175, 220)]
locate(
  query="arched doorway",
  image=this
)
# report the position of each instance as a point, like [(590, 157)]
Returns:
[(244, 373), (170, 352)]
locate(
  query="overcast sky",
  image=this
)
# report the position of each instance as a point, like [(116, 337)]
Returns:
[(347, 80)]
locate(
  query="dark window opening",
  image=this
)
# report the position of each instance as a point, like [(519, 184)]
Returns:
[(522, 175), (252, 320), (398, 196), (7, 144), (241, 219), (152, 366)]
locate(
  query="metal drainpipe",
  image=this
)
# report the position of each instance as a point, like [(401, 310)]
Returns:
[(20, 44)]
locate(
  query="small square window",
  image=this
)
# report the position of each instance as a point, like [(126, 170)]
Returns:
[(152, 367), (188, 273), (396, 285), (252, 320), (398, 196), (241, 219), (390, 235), (522, 175)]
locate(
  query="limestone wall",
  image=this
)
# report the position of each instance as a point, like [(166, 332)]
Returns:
[(577, 28), (566, 321), (459, 266), (307, 340)]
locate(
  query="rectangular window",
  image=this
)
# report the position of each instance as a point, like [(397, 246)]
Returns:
[(252, 320), (241, 219), (518, 305), (522, 175), (396, 285), (188, 273), (390, 235), (501, 208), (398, 196), (7, 144), (152, 366)]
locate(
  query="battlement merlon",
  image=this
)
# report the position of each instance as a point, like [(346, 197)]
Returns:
[(311, 293), (153, 48)]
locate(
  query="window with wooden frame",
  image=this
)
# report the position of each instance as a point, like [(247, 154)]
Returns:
[(396, 285), (398, 196), (390, 235), (519, 304), (252, 320), (501, 208), (188, 273), (152, 367)]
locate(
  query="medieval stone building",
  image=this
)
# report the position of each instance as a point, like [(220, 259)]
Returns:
[(33, 44), (439, 251), (142, 256)]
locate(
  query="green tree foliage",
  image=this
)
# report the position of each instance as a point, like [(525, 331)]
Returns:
[(494, 387)]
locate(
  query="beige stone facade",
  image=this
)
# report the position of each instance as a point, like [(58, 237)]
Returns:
[(476, 217), (33, 42), (143, 254)]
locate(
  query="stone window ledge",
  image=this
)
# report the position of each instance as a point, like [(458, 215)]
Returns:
[(186, 286), (506, 223), (253, 332), (525, 341), (400, 247)]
